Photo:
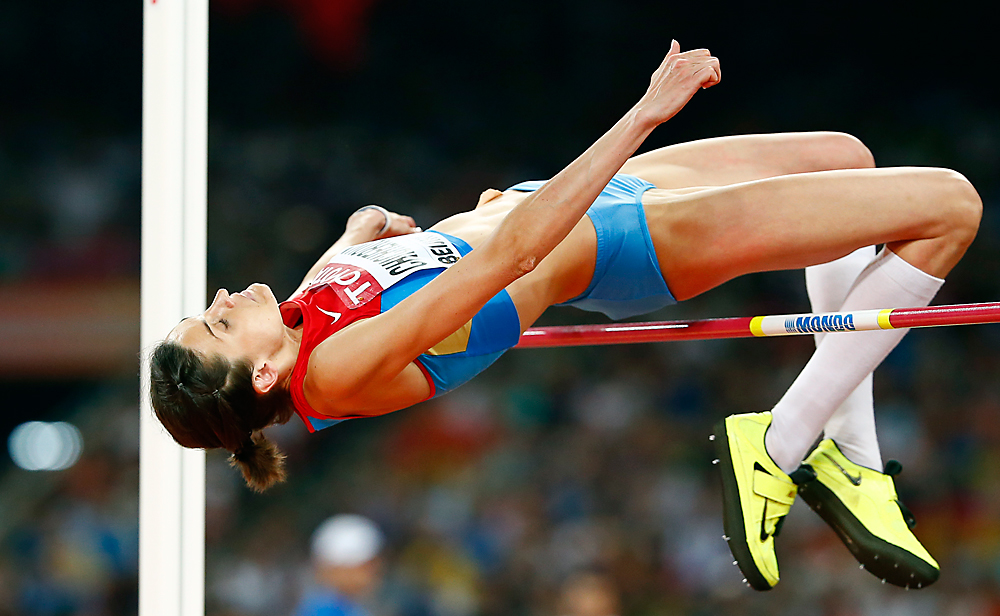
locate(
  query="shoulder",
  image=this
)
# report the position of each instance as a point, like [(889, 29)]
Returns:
[(333, 386), (327, 376)]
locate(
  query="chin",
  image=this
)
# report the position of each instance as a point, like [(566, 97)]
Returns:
[(266, 291)]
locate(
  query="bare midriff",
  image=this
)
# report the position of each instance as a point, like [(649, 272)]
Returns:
[(475, 225)]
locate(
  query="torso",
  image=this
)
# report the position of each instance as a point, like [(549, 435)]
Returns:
[(362, 282), (562, 275), (476, 225)]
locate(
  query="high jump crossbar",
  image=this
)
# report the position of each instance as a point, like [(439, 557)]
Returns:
[(761, 327)]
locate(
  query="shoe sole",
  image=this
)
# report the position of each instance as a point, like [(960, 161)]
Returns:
[(732, 513), (885, 560)]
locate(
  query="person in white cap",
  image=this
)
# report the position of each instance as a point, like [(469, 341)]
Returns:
[(346, 565)]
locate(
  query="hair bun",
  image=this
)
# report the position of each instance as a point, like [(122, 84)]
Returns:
[(260, 461)]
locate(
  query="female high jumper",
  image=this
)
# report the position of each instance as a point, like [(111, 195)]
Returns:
[(390, 316)]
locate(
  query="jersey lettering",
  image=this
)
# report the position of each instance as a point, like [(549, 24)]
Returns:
[(354, 293), (353, 285), (360, 273), (339, 278)]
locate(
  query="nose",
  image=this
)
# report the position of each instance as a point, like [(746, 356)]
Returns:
[(221, 300)]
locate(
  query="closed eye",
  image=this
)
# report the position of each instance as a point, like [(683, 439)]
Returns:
[(225, 323)]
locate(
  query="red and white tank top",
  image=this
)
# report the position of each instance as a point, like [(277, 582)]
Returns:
[(350, 288)]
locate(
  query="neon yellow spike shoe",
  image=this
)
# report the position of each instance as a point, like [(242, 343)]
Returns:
[(862, 508), (756, 496)]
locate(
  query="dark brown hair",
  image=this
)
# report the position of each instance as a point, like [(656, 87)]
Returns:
[(210, 402)]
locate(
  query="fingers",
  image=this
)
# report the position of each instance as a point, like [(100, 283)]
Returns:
[(675, 50), (679, 76), (675, 57), (708, 76), (696, 62), (693, 64), (409, 225), (400, 225)]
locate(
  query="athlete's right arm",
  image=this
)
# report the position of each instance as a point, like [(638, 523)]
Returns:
[(346, 367), (362, 226)]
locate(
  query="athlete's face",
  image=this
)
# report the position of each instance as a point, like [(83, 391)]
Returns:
[(244, 325)]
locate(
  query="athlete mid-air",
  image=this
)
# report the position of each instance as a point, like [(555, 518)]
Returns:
[(391, 315)]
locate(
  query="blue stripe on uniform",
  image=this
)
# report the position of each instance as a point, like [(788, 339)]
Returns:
[(495, 328)]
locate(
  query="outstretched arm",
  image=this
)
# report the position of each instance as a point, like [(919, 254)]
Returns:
[(371, 353), (363, 226), (547, 215)]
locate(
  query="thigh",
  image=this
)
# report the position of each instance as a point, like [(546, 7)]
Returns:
[(743, 158), (707, 237)]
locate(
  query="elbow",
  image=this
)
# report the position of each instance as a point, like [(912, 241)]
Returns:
[(525, 265), (517, 253), (515, 256)]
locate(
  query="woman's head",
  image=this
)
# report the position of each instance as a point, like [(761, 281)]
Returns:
[(245, 325), (219, 378)]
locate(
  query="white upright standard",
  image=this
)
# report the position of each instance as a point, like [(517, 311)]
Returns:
[(174, 175)]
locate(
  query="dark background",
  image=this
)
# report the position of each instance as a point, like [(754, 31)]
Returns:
[(318, 107)]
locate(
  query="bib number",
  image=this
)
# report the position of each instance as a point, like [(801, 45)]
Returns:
[(358, 274)]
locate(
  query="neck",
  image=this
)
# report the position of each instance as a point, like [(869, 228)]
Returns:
[(289, 354)]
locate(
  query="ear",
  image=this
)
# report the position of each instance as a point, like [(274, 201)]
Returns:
[(265, 376)]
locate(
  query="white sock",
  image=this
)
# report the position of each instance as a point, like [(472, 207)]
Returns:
[(840, 364), (852, 425)]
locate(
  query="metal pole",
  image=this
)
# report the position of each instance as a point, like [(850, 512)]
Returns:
[(174, 155), (765, 326)]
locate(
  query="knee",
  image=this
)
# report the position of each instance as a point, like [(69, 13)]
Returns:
[(847, 151), (961, 205), (968, 206), (828, 151)]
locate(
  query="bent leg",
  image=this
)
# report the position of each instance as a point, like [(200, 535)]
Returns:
[(852, 425), (843, 361), (926, 216), (743, 158), (729, 160)]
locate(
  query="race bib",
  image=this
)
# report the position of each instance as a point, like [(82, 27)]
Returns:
[(359, 273)]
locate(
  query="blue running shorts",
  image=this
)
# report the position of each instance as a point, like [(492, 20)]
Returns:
[(627, 278)]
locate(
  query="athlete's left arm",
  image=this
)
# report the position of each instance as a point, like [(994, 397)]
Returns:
[(363, 226)]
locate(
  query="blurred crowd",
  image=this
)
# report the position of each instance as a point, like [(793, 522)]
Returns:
[(561, 482)]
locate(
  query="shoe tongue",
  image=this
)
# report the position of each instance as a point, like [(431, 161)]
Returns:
[(893, 468), (803, 475)]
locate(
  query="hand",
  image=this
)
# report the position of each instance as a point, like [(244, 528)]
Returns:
[(676, 81), (400, 225), (376, 222)]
